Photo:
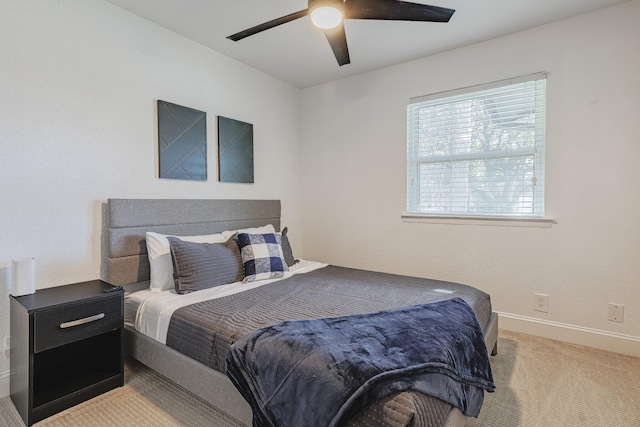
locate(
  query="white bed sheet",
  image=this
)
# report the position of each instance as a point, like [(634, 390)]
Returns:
[(149, 312)]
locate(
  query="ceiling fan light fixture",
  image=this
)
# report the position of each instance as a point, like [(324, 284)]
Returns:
[(326, 14)]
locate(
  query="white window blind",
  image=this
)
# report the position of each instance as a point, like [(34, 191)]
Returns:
[(478, 151)]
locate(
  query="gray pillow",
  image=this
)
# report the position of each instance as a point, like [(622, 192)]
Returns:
[(199, 266), (286, 249)]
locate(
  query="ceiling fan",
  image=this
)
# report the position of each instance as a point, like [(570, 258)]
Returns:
[(329, 16)]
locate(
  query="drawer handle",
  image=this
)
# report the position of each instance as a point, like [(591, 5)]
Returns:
[(81, 321)]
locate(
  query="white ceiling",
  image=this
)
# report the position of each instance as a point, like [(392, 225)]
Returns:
[(299, 54)]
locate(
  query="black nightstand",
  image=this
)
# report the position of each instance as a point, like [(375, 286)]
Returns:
[(66, 347)]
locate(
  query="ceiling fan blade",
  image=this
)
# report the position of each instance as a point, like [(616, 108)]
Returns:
[(337, 39), (267, 25), (395, 10)]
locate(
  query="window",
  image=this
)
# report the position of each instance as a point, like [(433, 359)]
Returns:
[(478, 151)]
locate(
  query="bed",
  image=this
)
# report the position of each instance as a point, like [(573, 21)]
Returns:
[(125, 262)]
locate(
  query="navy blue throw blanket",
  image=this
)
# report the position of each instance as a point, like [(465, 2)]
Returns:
[(319, 372)]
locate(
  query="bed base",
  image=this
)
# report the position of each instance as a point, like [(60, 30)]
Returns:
[(217, 389), (206, 383)]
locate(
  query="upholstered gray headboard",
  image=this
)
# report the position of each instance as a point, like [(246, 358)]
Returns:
[(124, 254)]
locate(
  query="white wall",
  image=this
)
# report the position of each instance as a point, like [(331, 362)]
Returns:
[(78, 84), (354, 158)]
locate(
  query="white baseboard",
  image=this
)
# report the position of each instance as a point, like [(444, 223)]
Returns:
[(610, 341), (4, 384)]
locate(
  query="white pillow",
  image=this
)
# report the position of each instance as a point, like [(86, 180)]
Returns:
[(160, 262), (159, 251), (265, 229)]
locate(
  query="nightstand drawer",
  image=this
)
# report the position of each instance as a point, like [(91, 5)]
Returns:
[(73, 322)]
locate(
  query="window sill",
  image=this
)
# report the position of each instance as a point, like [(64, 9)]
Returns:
[(494, 221)]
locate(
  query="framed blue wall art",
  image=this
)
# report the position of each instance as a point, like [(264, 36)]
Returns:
[(182, 142), (235, 151)]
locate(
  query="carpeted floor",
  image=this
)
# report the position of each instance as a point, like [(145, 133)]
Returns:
[(539, 382)]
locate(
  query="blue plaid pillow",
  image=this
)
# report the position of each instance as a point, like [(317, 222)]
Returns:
[(262, 256)]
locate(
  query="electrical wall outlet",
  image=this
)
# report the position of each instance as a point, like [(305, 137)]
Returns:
[(616, 312), (541, 302)]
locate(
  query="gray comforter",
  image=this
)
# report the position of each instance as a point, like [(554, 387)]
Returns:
[(206, 331)]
